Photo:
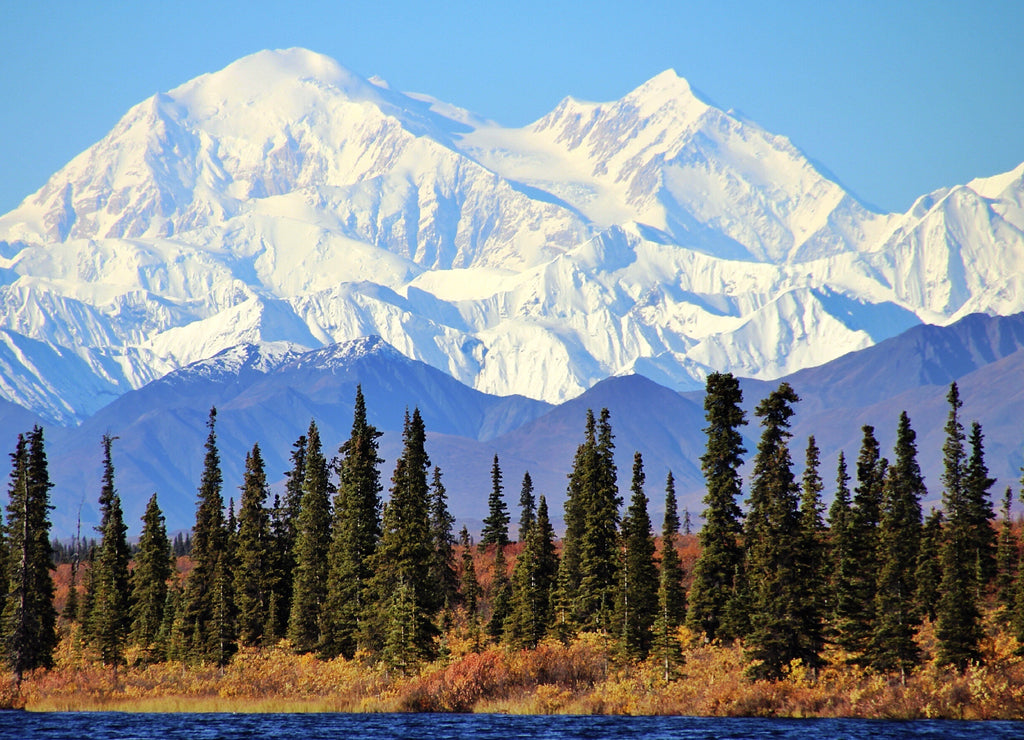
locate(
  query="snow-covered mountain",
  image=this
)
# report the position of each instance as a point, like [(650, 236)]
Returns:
[(286, 199)]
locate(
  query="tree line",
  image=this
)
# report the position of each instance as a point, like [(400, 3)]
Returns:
[(334, 570)]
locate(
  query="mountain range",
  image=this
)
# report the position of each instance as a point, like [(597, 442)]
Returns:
[(264, 237), (267, 394), (287, 199)]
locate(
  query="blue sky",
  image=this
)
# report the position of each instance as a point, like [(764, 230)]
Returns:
[(894, 98)]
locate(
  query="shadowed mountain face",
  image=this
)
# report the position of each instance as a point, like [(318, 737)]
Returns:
[(265, 395), (269, 393)]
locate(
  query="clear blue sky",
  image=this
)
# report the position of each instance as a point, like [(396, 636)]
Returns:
[(894, 98)]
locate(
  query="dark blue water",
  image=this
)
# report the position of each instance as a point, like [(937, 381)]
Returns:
[(85, 726)]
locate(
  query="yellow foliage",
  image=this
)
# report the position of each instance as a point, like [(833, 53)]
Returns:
[(581, 677)]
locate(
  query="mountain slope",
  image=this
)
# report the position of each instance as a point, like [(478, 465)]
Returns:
[(269, 393), (285, 198), (264, 394)]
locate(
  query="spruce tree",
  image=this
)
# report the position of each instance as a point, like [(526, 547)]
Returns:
[(527, 507), (855, 621), (110, 622), (638, 576), (402, 561), (207, 621), (170, 642), (978, 503), (840, 557), (713, 598), (253, 555), (149, 582), (442, 560), (598, 541), (312, 545), (402, 647), (671, 596), (1007, 562), (928, 570), (773, 540), (495, 531), (501, 596), (284, 519), (356, 532), (567, 608), (469, 587), (85, 602), (958, 626), (28, 621), (811, 597), (893, 647), (533, 583), (5, 559)]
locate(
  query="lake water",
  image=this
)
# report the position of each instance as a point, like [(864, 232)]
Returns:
[(85, 726)]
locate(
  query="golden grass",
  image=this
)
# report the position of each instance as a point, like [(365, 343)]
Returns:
[(579, 678)]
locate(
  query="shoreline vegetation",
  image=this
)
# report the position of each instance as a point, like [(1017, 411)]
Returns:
[(330, 599), (582, 677)]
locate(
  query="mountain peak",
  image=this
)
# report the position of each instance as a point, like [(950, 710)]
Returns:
[(995, 186), (346, 354), (254, 75), (667, 90), (260, 358), (666, 83)]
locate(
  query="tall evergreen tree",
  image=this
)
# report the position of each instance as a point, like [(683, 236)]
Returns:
[(442, 560), (28, 622), (638, 576), (527, 507), (978, 503), (501, 596), (5, 559), (598, 541), (1007, 561), (403, 647), (773, 540), (840, 550), (713, 598), (253, 555), (149, 581), (855, 615), (110, 622), (495, 531), (533, 583), (567, 609), (171, 641), (402, 561), (958, 627), (207, 620), (312, 545), (469, 587), (928, 571), (586, 580), (85, 602), (671, 596), (284, 519), (356, 532), (811, 597), (893, 647)]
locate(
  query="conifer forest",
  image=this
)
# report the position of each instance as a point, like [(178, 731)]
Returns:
[(344, 567)]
